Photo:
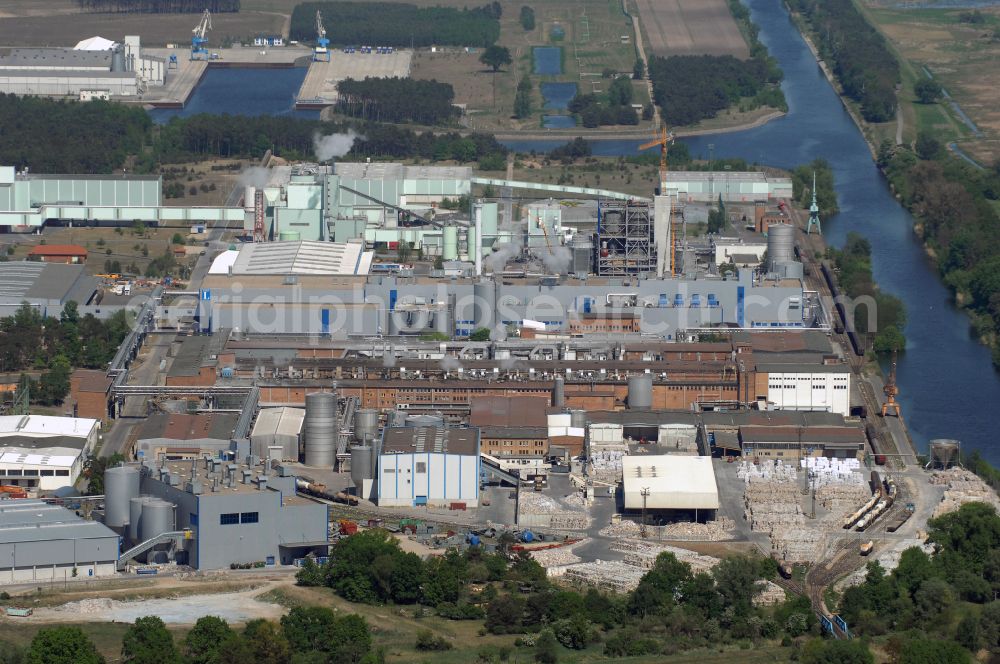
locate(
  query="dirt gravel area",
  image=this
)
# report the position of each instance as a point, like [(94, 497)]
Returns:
[(690, 27), (473, 84), (67, 29)]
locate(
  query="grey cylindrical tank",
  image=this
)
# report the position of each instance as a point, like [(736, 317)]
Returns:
[(321, 429), (559, 392), (442, 321), (640, 392), (134, 516), (121, 484), (118, 59), (578, 418), (361, 464), (392, 324), (485, 303), (780, 245), (791, 270), (365, 424), (583, 254), (417, 421), (157, 517)]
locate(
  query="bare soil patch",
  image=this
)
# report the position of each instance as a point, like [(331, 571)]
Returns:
[(690, 27)]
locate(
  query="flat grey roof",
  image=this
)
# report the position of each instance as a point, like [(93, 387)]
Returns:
[(38, 521), (431, 439), (393, 171), (60, 73), (778, 367), (54, 57), (29, 280)]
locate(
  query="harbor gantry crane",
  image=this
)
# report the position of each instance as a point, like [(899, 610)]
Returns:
[(321, 53), (198, 40), (891, 390), (663, 140)]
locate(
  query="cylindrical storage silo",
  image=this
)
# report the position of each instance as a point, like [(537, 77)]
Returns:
[(792, 270), (417, 421), (157, 518), (780, 245), (134, 515), (640, 392), (485, 302), (365, 424), (559, 392), (450, 250), (321, 429), (121, 484), (442, 321), (361, 464), (472, 244), (249, 195), (578, 419)]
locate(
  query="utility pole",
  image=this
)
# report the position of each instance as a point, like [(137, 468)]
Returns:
[(645, 494)]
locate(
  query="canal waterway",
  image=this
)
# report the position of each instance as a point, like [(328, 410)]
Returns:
[(243, 91), (948, 386)]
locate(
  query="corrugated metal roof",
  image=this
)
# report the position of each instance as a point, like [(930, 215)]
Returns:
[(37, 521), (27, 58), (279, 421), (29, 280), (431, 439), (509, 412), (302, 258)]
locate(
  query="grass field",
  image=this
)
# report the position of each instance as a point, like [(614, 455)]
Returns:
[(962, 57), (690, 27)]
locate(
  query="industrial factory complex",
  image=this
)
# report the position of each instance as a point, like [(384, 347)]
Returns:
[(378, 343)]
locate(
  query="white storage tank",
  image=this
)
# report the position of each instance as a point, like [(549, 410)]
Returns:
[(121, 484), (157, 518), (321, 429), (780, 245)]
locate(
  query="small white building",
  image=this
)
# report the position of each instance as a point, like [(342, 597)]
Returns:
[(726, 248), (432, 466), (669, 482), (44, 453), (811, 387), (277, 427)]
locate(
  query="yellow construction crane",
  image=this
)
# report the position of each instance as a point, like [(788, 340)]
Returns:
[(891, 390), (664, 139)]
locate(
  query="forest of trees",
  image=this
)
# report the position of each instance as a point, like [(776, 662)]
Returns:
[(38, 136), (941, 605), (56, 346), (954, 203), (690, 88), (611, 108), (160, 6), (861, 59), (305, 635), (854, 268), (826, 195), (60, 136), (396, 24), (397, 100)]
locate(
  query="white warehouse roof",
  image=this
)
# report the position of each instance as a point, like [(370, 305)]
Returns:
[(94, 44), (674, 482), (282, 421), (298, 257), (46, 425), (62, 457)]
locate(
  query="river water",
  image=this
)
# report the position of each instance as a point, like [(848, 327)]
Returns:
[(948, 386)]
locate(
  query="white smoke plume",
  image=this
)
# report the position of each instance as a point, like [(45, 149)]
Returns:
[(557, 260), (334, 145), (510, 363), (450, 363), (497, 261), (498, 333), (255, 176)]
